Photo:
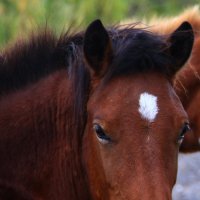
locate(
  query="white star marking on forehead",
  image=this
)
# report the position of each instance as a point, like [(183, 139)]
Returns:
[(148, 107)]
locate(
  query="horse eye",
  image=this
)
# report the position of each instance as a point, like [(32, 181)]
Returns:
[(101, 135), (184, 130)]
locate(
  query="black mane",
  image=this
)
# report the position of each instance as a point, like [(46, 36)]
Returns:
[(135, 50), (29, 61)]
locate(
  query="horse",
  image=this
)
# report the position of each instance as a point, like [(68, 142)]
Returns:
[(187, 80), (92, 115)]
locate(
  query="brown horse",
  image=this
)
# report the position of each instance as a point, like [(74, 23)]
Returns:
[(92, 115), (187, 80)]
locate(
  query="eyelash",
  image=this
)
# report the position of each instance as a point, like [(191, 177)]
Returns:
[(101, 135), (184, 130)]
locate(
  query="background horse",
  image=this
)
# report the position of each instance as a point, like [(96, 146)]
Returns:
[(92, 115), (187, 80)]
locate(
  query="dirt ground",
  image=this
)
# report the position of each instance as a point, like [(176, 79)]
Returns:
[(188, 179)]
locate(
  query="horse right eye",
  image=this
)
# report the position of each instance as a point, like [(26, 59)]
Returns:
[(186, 128), (101, 135)]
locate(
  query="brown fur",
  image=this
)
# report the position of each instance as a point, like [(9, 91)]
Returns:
[(187, 85), (187, 81)]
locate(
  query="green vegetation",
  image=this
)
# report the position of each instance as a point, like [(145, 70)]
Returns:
[(19, 17)]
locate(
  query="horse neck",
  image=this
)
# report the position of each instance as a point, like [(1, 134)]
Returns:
[(187, 81), (47, 134)]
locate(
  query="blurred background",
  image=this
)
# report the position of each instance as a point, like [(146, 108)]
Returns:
[(19, 17)]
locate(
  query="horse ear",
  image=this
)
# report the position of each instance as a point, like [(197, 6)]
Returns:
[(181, 43), (97, 48)]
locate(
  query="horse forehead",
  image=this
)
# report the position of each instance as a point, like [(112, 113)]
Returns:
[(128, 89), (134, 92)]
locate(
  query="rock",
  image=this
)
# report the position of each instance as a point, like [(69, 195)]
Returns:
[(188, 179)]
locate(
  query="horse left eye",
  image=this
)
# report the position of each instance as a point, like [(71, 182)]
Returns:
[(184, 130), (101, 135)]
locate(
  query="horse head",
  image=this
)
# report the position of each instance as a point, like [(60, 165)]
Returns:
[(135, 120)]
